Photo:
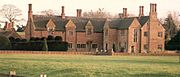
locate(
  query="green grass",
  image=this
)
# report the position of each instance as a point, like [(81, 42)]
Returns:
[(30, 65)]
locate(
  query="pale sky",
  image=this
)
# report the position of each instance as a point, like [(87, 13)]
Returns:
[(112, 6)]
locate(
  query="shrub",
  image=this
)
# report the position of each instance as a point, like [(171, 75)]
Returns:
[(58, 38), (5, 43)]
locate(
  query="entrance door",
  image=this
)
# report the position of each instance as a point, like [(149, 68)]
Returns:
[(132, 49)]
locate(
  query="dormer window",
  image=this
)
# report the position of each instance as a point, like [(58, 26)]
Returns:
[(50, 27), (106, 32), (89, 31), (50, 30), (70, 33)]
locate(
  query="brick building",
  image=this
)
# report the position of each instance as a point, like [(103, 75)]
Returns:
[(139, 34)]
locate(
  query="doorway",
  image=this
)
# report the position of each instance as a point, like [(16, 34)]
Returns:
[(132, 49)]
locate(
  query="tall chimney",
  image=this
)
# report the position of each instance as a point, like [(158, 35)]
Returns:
[(79, 11), (141, 11), (30, 11), (120, 15), (125, 13), (6, 25), (153, 10), (62, 13)]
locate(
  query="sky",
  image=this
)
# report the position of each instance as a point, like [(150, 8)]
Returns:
[(112, 6)]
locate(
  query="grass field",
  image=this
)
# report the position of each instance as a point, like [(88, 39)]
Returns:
[(30, 65)]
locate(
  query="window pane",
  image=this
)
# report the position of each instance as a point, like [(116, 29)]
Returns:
[(106, 32), (94, 45), (89, 31), (159, 34), (145, 33), (145, 46), (70, 45)]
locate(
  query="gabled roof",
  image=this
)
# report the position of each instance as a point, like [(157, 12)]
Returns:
[(40, 22), (97, 23), (142, 20), (10, 34), (121, 23)]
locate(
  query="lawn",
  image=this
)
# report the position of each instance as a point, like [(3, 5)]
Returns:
[(32, 65)]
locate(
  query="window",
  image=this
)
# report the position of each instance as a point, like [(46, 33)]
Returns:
[(78, 45), (160, 46), (70, 32), (135, 35), (50, 30), (94, 46), (159, 34), (145, 46), (125, 44), (119, 44), (106, 32), (122, 32), (70, 45), (81, 45), (145, 33), (89, 31)]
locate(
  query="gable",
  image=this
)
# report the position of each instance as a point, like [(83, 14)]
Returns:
[(50, 24), (70, 24), (143, 19), (135, 23), (89, 24), (41, 21)]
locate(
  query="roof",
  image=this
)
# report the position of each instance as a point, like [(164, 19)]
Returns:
[(121, 23), (40, 22), (10, 34), (142, 20)]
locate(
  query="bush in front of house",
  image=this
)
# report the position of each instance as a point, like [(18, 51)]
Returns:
[(5, 43), (56, 44), (39, 44)]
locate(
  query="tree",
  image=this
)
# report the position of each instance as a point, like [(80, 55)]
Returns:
[(174, 43), (20, 28), (170, 27), (48, 12), (100, 13), (10, 12)]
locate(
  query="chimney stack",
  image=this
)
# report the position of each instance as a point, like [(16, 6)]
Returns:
[(30, 11), (141, 11), (62, 12), (79, 11), (153, 8), (120, 15), (6, 25), (125, 13)]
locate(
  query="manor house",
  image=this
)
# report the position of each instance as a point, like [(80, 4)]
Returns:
[(141, 34)]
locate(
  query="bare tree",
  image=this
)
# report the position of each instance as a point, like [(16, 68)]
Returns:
[(48, 12), (10, 12), (100, 13)]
